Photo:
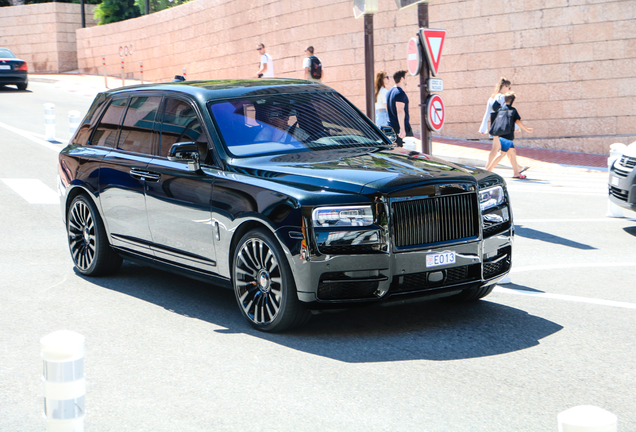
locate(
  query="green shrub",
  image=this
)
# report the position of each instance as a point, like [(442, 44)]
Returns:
[(110, 11)]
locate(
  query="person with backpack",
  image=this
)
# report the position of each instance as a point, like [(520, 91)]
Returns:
[(503, 85), (503, 126), (312, 66)]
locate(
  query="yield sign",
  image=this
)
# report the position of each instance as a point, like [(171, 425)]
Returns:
[(433, 41)]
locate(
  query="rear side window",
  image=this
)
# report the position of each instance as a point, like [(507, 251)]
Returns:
[(106, 131), (137, 129), (182, 124)]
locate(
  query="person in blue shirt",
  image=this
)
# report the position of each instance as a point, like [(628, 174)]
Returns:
[(397, 106)]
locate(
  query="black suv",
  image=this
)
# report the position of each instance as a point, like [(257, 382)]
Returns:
[(281, 190)]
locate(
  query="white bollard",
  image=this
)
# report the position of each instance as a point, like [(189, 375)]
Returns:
[(64, 381), (73, 122), (49, 122), (616, 151), (587, 418)]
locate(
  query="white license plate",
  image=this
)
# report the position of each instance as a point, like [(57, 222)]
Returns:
[(615, 181), (442, 258), (5, 67)]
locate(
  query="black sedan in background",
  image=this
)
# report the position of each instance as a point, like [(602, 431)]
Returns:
[(281, 190), (13, 71)]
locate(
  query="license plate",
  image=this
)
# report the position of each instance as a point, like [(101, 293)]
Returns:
[(442, 258), (5, 67), (615, 181)]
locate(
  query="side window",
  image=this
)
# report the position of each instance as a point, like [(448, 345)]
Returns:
[(105, 134), (137, 129), (181, 124)]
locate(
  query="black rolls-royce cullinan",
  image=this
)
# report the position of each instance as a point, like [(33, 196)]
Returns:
[(281, 190)]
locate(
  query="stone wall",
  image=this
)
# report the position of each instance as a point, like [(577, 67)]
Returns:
[(571, 62), (43, 34)]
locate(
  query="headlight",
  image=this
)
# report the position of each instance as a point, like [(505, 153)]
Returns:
[(491, 197), (342, 216)]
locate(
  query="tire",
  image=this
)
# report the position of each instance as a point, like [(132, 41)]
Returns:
[(87, 240), (472, 294), (264, 285), (22, 86)]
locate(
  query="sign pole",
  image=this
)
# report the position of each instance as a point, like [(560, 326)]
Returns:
[(369, 63), (422, 22)]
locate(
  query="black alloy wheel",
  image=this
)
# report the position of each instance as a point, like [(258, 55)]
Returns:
[(91, 253), (264, 285)]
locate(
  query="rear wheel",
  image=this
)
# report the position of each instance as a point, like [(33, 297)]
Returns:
[(87, 240), (22, 86), (264, 285)]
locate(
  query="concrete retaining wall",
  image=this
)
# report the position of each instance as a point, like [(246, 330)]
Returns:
[(43, 34)]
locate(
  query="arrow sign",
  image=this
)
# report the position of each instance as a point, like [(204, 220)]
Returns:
[(435, 113), (433, 41)]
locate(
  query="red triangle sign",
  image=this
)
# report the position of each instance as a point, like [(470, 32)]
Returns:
[(433, 41)]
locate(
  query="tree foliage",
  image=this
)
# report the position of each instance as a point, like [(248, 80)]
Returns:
[(158, 5), (110, 11)]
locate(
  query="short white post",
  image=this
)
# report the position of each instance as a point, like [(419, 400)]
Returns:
[(64, 381), (184, 74), (616, 151), (141, 69), (73, 122), (587, 418), (122, 72), (49, 122)]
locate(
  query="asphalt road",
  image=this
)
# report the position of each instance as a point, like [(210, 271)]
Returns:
[(165, 353)]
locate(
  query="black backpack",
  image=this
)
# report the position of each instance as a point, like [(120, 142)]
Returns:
[(315, 67), (503, 124)]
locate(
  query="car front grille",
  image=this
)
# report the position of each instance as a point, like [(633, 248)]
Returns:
[(628, 162), (618, 193), (337, 286), (435, 220), (419, 281)]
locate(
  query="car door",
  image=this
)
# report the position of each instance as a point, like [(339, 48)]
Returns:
[(123, 176), (178, 202)]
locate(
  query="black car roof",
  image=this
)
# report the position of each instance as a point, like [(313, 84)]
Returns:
[(224, 89)]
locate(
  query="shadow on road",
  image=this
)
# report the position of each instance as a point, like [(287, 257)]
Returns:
[(432, 330), (550, 238)]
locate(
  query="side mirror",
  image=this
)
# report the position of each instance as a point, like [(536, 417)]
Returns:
[(389, 132), (185, 152)]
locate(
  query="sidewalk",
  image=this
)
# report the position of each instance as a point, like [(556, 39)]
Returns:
[(473, 153)]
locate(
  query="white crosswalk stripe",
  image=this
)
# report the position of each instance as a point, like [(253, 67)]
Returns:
[(33, 191)]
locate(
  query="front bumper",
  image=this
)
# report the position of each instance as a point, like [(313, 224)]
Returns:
[(331, 280), (622, 184)]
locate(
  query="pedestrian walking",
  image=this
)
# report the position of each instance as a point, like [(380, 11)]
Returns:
[(266, 64), (503, 85), (397, 106), (509, 118), (381, 84), (312, 66)]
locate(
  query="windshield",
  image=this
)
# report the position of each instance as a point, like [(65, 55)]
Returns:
[(5, 53), (254, 126)]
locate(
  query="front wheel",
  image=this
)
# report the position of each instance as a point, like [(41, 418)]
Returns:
[(264, 285), (87, 240)]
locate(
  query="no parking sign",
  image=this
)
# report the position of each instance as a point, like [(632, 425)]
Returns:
[(435, 112)]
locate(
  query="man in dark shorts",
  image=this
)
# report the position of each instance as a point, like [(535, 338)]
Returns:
[(507, 141), (397, 106)]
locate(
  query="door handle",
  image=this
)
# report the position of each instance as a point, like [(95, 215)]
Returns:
[(145, 175)]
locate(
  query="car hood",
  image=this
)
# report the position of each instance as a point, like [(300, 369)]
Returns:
[(358, 170)]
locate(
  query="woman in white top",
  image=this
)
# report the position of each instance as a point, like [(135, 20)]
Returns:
[(502, 86), (381, 83)]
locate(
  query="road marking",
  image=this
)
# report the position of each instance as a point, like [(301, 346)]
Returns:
[(529, 221), (33, 190), (567, 266), (57, 148), (570, 298)]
